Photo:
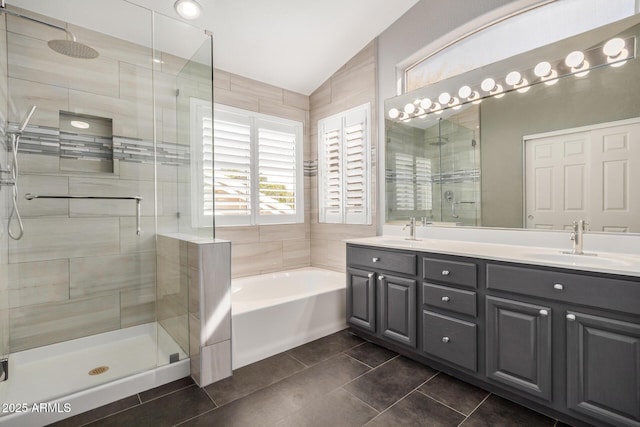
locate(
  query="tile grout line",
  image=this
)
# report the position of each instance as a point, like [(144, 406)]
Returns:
[(475, 409), (370, 370), (298, 360), (358, 360), (442, 403), (378, 412), (194, 417), (210, 397), (107, 416)]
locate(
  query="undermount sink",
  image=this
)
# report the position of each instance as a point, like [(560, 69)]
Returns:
[(587, 259)]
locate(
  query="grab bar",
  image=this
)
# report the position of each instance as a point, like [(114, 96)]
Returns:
[(138, 199)]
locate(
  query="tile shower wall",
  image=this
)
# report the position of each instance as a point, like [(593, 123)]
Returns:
[(266, 248), (352, 85), (5, 194), (80, 268)]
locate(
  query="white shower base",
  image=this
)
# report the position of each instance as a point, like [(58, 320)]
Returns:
[(58, 373)]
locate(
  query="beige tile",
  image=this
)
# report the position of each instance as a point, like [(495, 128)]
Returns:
[(227, 97), (238, 235), (31, 59), (167, 173), (272, 108), (254, 258), (136, 83), (165, 87), (43, 185), (296, 100), (33, 29), (341, 231), (130, 241), (96, 275), (168, 126), (43, 324), (112, 188), (169, 265), (171, 64), (216, 287), (178, 328), (169, 196), (215, 363), (42, 295), (136, 171), (296, 253), (248, 87), (137, 306), (319, 252), (39, 274), (321, 96), (130, 119), (271, 233), (194, 334), (49, 99), (56, 238), (221, 79), (336, 255)]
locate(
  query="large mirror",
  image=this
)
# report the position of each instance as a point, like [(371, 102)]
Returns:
[(563, 145)]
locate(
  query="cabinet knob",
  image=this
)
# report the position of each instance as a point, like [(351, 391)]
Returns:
[(544, 313), (445, 272), (446, 299), (571, 317), (370, 275), (376, 259), (445, 339), (381, 277), (558, 286)]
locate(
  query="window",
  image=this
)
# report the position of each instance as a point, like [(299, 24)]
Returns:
[(344, 167), (250, 171)]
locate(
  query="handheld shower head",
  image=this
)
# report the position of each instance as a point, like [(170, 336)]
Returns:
[(25, 122)]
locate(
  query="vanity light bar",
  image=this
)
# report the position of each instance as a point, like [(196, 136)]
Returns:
[(616, 52)]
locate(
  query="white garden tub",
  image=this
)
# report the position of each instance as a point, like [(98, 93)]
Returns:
[(275, 312)]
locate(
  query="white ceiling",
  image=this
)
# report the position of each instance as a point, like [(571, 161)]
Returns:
[(294, 44)]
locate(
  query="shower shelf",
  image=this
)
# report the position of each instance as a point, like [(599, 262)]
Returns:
[(138, 200)]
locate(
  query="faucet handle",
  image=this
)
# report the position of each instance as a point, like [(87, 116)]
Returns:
[(572, 236)]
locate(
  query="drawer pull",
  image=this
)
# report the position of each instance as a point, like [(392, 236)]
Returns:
[(376, 259), (445, 272), (445, 339), (558, 286), (446, 299), (370, 275), (381, 277), (571, 317), (544, 313)]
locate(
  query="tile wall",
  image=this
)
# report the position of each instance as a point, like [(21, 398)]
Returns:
[(80, 268), (5, 194), (352, 85)]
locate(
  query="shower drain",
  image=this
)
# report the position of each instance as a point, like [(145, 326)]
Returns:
[(99, 370)]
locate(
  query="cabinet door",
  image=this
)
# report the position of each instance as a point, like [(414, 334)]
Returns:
[(398, 309), (361, 299), (603, 368), (519, 346)]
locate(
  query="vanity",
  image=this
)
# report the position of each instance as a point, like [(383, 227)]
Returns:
[(559, 335)]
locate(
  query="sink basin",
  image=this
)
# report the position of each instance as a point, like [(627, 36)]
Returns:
[(595, 260)]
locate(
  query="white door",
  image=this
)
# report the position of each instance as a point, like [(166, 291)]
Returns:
[(584, 175)]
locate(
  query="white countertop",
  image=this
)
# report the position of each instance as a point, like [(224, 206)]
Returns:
[(603, 262)]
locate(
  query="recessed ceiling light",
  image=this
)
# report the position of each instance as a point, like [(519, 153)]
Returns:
[(188, 9), (79, 124)]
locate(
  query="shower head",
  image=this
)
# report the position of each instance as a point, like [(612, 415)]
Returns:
[(25, 122), (70, 48), (73, 49)]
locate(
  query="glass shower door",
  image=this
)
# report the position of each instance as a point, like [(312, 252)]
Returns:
[(5, 194)]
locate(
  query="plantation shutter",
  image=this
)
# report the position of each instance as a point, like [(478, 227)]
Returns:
[(232, 166), (343, 167), (404, 182), (355, 167), (277, 169), (424, 184)]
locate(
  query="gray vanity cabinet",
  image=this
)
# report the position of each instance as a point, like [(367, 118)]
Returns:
[(398, 309), (603, 368), (361, 299), (519, 345)]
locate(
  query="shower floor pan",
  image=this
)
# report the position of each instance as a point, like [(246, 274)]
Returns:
[(87, 372)]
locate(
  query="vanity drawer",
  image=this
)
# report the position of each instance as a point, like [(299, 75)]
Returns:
[(451, 299), (450, 339), (454, 272), (601, 292), (380, 259)]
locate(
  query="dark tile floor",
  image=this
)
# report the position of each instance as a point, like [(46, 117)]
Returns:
[(338, 380)]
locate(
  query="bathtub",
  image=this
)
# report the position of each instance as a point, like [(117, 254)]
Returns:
[(275, 312)]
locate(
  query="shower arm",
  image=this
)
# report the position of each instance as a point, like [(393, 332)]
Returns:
[(138, 200), (3, 8)]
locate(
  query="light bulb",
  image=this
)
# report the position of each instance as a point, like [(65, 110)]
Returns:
[(613, 47), (464, 92), (444, 98), (575, 59), (488, 84), (543, 69), (425, 103), (409, 108), (513, 78), (394, 113)]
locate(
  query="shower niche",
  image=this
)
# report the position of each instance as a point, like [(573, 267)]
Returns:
[(86, 143)]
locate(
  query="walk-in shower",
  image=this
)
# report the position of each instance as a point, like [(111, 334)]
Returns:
[(89, 312)]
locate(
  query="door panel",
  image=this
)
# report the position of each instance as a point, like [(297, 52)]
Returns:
[(361, 299), (398, 309)]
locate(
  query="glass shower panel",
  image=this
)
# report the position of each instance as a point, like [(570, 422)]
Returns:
[(82, 269), (183, 93), (5, 194)]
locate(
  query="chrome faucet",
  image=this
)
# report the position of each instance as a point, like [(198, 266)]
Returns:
[(579, 227), (412, 228)]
